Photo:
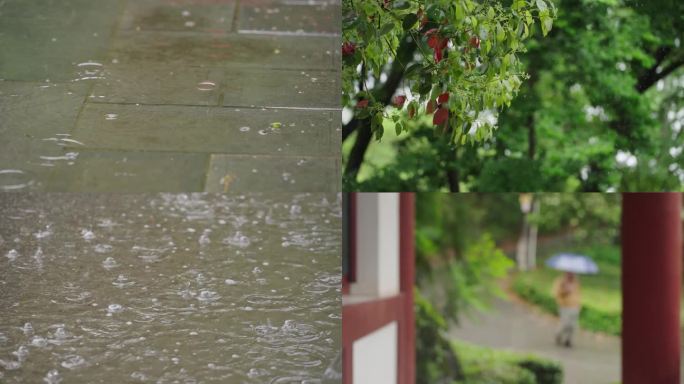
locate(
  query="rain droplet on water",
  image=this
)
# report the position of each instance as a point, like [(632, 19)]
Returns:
[(87, 234), (73, 362), (114, 308), (206, 86), (238, 240), (109, 263), (12, 254), (52, 377)]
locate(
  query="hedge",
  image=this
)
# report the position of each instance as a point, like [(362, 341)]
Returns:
[(485, 365)]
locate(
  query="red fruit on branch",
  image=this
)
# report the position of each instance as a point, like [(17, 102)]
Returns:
[(474, 42), (348, 49), (362, 103), (399, 101), (443, 98), (441, 116)]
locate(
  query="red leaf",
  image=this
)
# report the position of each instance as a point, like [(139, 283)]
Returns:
[(474, 42), (362, 103), (443, 98), (438, 55), (431, 106), (399, 101), (433, 42), (441, 116)]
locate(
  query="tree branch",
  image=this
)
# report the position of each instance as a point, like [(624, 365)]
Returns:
[(652, 76)]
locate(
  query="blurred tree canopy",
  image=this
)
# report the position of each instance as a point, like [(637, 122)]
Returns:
[(601, 110)]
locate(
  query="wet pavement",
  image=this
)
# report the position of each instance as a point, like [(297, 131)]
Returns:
[(187, 288), (170, 95)]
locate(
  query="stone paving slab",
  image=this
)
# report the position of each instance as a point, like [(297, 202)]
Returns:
[(206, 130), (27, 132), (154, 84), (272, 173), (275, 16), (36, 45), (239, 87), (129, 172), (201, 50), (179, 15), (286, 89)]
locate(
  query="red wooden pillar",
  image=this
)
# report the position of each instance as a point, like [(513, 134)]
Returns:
[(651, 284), (407, 328)]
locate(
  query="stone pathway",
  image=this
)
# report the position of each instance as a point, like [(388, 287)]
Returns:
[(595, 359), (170, 95)]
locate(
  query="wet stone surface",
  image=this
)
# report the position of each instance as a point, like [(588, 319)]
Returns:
[(281, 17), (86, 87), (190, 288), (228, 173)]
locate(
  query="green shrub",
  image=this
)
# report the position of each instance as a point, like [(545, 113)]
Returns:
[(545, 371), (590, 318), (436, 359), (488, 366)]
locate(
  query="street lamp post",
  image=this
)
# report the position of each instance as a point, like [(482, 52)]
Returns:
[(527, 244)]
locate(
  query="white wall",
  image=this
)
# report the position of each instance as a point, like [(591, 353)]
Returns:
[(377, 245), (375, 357)]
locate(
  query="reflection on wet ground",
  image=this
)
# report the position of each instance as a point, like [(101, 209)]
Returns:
[(189, 288), (169, 95)]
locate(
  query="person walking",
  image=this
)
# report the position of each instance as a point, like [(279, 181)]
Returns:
[(566, 290)]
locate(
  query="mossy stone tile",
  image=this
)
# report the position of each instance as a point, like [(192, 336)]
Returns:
[(207, 129), (130, 172), (155, 84), (282, 88), (179, 15), (272, 173), (200, 50), (273, 16)]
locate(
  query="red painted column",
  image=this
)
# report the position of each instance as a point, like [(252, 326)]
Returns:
[(651, 286), (407, 328)]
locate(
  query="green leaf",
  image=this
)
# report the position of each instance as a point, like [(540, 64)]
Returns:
[(376, 125), (387, 28), (412, 68), (409, 21)]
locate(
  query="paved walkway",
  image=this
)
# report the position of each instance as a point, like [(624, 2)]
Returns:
[(595, 359), (170, 95)]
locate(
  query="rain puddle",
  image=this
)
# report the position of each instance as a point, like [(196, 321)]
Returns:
[(189, 288)]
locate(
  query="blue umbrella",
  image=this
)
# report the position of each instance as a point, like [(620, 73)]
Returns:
[(570, 262)]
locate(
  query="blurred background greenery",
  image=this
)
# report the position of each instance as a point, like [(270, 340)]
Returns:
[(466, 250)]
